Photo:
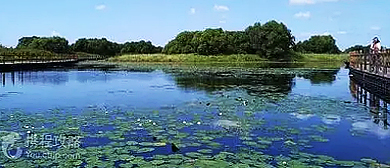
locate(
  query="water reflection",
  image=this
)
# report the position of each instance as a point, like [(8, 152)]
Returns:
[(59, 76), (320, 76), (253, 83), (33, 77), (90, 76), (146, 91), (377, 107)]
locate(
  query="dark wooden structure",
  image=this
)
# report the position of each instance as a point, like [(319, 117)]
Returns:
[(378, 107), (370, 82), (372, 70), (17, 62)]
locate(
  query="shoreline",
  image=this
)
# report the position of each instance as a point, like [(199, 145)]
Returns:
[(245, 58)]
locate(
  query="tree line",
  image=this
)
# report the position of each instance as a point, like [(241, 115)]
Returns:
[(45, 46), (271, 40), (318, 44)]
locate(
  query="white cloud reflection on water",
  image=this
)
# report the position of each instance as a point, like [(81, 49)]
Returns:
[(370, 127), (302, 116), (358, 127), (327, 119), (331, 119)]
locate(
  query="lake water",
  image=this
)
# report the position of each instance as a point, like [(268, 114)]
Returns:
[(133, 116)]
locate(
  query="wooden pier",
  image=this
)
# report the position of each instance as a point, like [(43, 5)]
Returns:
[(15, 62), (370, 83)]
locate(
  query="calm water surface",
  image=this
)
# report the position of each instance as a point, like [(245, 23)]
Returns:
[(300, 100)]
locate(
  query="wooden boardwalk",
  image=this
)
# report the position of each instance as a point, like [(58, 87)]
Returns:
[(37, 61), (370, 83), (375, 64), (22, 62), (372, 71)]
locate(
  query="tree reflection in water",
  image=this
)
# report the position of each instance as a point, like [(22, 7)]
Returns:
[(320, 76), (254, 82)]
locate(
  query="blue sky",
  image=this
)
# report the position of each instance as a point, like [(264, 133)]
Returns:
[(349, 21)]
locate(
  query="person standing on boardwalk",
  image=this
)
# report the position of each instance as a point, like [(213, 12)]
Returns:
[(375, 50), (376, 45)]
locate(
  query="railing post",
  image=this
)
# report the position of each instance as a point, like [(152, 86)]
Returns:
[(370, 62), (360, 58), (385, 60), (352, 59), (365, 59)]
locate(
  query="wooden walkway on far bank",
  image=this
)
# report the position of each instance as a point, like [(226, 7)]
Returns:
[(37, 61), (11, 62)]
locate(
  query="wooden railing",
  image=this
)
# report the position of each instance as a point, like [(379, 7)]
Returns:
[(22, 59), (374, 63)]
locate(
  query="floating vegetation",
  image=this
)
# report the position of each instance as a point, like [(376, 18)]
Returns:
[(205, 151), (152, 144), (318, 138), (145, 150), (242, 120)]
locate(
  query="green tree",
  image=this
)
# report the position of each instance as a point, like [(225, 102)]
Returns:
[(319, 45), (24, 42), (96, 46), (272, 40), (140, 47), (53, 44)]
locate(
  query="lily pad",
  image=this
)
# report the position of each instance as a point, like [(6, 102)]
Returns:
[(145, 150)]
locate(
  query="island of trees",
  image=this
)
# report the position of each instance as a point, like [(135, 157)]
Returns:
[(271, 40)]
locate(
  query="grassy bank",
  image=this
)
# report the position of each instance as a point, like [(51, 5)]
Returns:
[(186, 58), (192, 58), (323, 58)]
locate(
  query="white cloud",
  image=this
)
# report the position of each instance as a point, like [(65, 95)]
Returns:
[(302, 15), (324, 34), (100, 7), (221, 8), (341, 32), (328, 0), (222, 21), (301, 2), (375, 28), (54, 33), (192, 11), (309, 2)]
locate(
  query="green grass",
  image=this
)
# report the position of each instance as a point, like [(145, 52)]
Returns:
[(325, 58), (186, 58), (235, 59)]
